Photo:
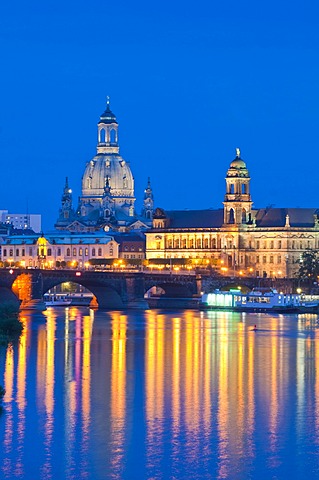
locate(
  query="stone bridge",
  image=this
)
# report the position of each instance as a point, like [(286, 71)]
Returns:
[(113, 290), (118, 290)]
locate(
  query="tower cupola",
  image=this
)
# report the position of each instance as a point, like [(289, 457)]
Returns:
[(107, 131)]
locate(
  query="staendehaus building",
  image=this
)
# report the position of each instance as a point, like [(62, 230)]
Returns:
[(236, 239)]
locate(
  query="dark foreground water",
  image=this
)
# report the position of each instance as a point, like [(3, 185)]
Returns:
[(151, 395)]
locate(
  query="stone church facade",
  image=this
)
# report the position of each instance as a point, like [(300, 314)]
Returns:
[(237, 239)]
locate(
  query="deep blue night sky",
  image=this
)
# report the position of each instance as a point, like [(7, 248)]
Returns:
[(188, 81)]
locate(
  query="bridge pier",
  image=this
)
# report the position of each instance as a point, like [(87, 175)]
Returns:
[(135, 289), (28, 288)]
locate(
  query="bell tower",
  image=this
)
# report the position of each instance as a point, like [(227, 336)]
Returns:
[(148, 202), (237, 201)]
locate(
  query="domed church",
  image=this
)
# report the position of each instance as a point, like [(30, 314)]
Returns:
[(107, 200)]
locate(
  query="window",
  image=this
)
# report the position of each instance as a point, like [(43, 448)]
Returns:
[(176, 243), (265, 245), (279, 259), (293, 244), (271, 259), (74, 252), (158, 244), (257, 244), (169, 243), (206, 243), (11, 252), (99, 252), (59, 252), (23, 252), (198, 243), (271, 244), (68, 252), (30, 251), (49, 252), (93, 252), (86, 252), (4, 252), (191, 243), (279, 243), (214, 243), (17, 252), (184, 243), (257, 259), (81, 251), (264, 259)]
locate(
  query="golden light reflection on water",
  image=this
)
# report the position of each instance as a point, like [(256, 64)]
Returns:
[(118, 390), (211, 386)]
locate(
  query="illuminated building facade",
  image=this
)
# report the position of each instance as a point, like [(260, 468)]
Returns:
[(58, 249), (107, 201), (236, 240)]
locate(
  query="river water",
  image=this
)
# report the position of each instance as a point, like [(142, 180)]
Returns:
[(161, 395)]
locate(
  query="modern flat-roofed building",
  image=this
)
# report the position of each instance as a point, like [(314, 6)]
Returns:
[(23, 221)]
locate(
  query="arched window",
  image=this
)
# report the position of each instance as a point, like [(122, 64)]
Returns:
[(113, 135), (74, 252), (68, 252), (231, 188), (214, 243), (243, 216), (244, 188), (191, 243), (99, 252), (206, 243), (4, 252), (148, 214), (231, 218), (102, 135), (49, 252), (17, 252), (93, 252), (23, 252), (198, 243)]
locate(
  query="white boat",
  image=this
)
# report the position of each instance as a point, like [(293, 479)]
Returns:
[(56, 300), (258, 300)]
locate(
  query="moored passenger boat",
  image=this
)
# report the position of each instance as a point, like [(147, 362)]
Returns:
[(258, 300)]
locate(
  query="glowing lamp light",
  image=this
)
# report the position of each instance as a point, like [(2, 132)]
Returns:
[(11, 271), (78, 274), (299, 290)]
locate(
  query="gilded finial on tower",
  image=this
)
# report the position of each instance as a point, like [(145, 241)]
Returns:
[(238, 152)]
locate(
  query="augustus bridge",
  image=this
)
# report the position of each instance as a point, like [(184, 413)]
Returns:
[(113, 290)]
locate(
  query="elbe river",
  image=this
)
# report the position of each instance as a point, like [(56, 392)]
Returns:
[(160, 395)]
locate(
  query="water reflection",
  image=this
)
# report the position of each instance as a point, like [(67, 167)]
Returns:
[(184, 395)]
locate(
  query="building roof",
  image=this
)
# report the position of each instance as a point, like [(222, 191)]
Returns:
[(195, 218), (276, 217)]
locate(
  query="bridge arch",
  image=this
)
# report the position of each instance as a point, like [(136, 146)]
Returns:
[(107, 297)]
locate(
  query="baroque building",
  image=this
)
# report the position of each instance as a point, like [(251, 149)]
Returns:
[(236, 239), (107, 201)]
